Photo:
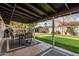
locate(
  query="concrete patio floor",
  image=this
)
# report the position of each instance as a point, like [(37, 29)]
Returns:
[(30, 50), (41, 49)]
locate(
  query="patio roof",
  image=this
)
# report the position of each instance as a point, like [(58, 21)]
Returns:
[(35, 12)]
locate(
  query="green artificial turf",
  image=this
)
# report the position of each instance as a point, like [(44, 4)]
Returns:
[(67, 42)]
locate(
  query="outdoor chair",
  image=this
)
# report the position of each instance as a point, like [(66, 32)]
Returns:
[(28, 37)]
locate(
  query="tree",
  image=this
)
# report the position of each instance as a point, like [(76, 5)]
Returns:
[(71, 25), (31, 25)]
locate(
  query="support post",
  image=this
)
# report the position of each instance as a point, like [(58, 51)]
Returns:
[(13, 12), (8, 48), (34, 33), (53, 38), (33, 27)]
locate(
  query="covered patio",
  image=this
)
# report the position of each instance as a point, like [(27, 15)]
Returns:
[(30, 14)]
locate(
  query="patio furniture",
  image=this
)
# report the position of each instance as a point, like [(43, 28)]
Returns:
[(28, 37), (24, 36), (21, 38)]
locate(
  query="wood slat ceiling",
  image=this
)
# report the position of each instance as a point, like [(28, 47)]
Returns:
[(35, 12)]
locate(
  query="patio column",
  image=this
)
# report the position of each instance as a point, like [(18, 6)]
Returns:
[(34, 33), (33, 27), (53, 38)]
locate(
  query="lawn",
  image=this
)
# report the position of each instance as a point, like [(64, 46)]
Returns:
[(67, 42)]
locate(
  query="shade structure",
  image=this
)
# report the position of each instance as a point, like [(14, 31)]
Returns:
[(35, 12)]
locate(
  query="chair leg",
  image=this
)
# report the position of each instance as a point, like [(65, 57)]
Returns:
[(30, 41), (7, 45)]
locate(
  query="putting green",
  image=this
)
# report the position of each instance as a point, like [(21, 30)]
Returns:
[(67, 42)]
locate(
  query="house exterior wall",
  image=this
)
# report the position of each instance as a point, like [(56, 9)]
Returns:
[(50, 30), (77, 30), (2, 25), (43, 29)]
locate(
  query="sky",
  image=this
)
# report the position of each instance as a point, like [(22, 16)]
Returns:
[(68, 18)]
